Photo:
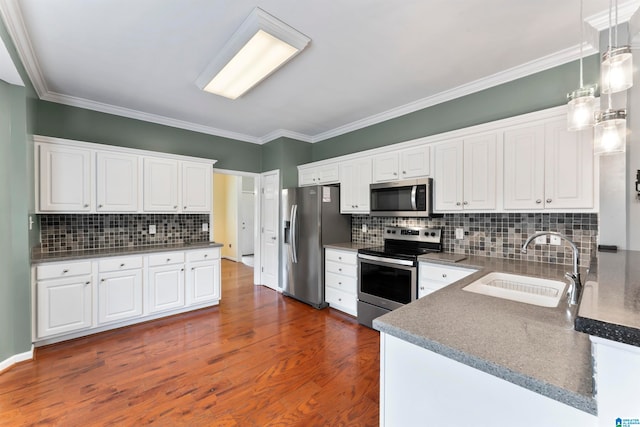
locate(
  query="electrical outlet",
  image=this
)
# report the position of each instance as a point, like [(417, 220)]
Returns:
[(152, 229), (205, 226), (459, 233), (554, 240), (365, 228), (542, 240)]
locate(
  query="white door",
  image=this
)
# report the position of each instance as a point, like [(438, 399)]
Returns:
[(203, 282), (448, 176), (166, 287), (196, 187), (65, 179), (385, 167), (247, 201), (119, 295), (160, 185), (415, 162), (269, 226), (524, 168), (117, 182), (480, 172), (64, 305)]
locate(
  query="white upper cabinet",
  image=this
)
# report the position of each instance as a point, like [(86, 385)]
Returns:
[(355, 178), (65, 179), (319, 175), (160, 185), (117, 182), (196, 187), (465, 174), (405, 164), (548, 167)]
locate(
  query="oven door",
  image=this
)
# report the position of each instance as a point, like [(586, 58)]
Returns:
[(386, 282)]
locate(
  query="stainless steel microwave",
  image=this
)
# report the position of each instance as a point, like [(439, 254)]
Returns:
[(408, 198)]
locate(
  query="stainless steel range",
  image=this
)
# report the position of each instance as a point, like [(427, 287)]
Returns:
[(388, 275)]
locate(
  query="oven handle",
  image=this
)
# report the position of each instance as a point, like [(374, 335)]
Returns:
[(386, 260), (414, 201)]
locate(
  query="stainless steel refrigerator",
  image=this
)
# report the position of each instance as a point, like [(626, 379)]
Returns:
[(312, 219)]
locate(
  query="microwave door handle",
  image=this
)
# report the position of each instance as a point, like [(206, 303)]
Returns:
[(414, 195)]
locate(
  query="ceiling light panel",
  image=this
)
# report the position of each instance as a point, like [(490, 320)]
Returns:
[(259, 47)]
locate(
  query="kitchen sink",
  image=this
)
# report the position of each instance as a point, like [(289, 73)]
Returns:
[(530, 290)]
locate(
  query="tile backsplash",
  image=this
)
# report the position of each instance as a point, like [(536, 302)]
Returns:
[(77, 232), (498, 235)]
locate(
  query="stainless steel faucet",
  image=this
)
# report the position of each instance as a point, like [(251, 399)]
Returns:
[(575, 287)]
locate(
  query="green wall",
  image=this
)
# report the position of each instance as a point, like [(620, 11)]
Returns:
[(63, 121), (285, 154), (542, 90)]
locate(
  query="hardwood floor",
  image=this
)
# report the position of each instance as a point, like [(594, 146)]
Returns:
[(257, 359)]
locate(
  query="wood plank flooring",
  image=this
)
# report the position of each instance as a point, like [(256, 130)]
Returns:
[(257, 359)]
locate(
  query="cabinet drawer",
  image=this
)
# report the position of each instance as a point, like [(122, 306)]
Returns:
[(119, 263), (341, 300), (343, 283), (445, 274), (338, 268), (166, 258), (341, 256), (61, 270), (203, 255)]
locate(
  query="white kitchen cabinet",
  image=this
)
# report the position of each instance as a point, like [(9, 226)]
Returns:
[(117, 182), (160, 185), (63, 298), (319, 175), (65, 179), (548, 167), (203, 276), (465, 174), (196, 187), (432, 276), (166, 281), (355, 178), (119, 289), (403, 164), (341, 280)]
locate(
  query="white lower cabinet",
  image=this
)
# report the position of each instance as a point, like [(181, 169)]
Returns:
[(341, 280), (432, 277), (119, 289), (77, 298)]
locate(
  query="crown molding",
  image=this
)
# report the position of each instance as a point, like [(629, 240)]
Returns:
[(600, 21), (280, 133), (532, 67), (147, 117)]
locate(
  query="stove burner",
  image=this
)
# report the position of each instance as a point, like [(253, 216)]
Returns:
[(407, 243)]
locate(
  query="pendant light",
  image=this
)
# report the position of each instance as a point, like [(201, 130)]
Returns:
[(617, 62), (582, 102), (611, 125)]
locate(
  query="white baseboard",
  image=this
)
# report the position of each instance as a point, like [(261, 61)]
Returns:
[(16, 358)]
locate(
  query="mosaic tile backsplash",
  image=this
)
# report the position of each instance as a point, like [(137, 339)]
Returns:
[(497, 235), (62, 233)]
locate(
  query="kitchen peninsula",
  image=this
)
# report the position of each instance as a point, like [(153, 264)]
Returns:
[(506, 362)]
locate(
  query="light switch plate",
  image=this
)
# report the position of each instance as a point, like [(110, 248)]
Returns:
[(152, 229), (542, 240), (459, 233), (554, 240), (365, 228), (205, 226)]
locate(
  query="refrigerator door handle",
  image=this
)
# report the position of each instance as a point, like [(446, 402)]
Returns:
[(294, 232)]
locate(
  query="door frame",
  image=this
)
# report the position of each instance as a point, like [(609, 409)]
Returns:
[(257, 242), (258, 221)]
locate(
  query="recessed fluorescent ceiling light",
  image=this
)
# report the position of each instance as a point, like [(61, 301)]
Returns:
[(259, 47)]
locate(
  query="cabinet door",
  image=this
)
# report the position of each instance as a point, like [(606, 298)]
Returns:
[(203, 282), (196, 187), (524, 168), (415, 162), (117, 182), (568, 168), (385, 167), (307, 177), (166, 287), (355, 178), (119, 295), (160, 185), (480, 172), (362, 182), (63, 305), (448, 176), (65, 179), (328, 174)]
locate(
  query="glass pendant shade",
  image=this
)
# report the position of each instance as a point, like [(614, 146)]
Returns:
[(610, 132), (617, 69), (581, 109)]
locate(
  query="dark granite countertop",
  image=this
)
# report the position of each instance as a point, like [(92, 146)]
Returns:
[(534, 347), (38, 257), (610, 302)]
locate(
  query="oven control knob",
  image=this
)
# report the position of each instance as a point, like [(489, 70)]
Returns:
[(433, 234)]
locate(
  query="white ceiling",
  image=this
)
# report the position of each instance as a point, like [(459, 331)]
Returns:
[(368, 60)]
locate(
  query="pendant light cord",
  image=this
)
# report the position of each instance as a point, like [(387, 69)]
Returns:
[(609, 51), (581, 43)]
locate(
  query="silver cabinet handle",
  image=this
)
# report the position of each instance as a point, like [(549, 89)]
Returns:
[(168, 259), (538, 201), (193, 268), (340, 299), (122, 265), (465, 203), (175, 206), (102, 280), (404, 172), (273, 238), (444, 274), (184, 207), (206, 255), (87, 283), (100, 206), (422, 288), (395, 174), (339, 269), (339, 283), (182, 269), (65, 271), (458, 203), (86, 205), (549, 200)]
